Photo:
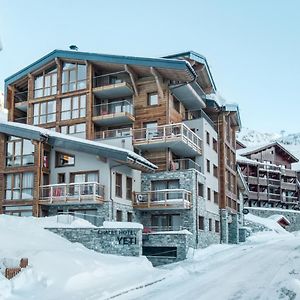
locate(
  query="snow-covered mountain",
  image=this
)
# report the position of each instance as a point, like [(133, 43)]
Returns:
[(291, 142)]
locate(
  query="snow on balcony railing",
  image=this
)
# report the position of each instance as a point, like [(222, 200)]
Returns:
[(153, 229), (167, 132), (72, 192), (171, 198), (112, 108), (113, 133)]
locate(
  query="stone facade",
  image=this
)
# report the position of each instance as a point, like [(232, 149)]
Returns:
[(122, 241), (180, 240), (188, 180)]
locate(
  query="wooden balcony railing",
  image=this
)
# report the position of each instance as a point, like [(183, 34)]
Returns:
[(169, 198), (72, 192)]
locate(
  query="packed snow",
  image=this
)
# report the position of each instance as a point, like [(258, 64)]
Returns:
[(267, 266)]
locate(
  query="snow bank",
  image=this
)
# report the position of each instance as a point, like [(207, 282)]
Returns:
[(59, 269), (268, 223)]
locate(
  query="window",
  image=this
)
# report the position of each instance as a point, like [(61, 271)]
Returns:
[(208, 194), (73, 77), (216, 197), (73, 107), (19, 152), (128, 188), (200, 189), (119, 215), (129, 216), (78, 130), (208, 166), (166, 222), (19, 186), (217, 226), (176, 104), (215, 171), (207, 138), (19, 210), (152, 99), (46, 159), (119, 185), (61, 178), (210, 224), (45, 84), (215, 145), (201, 223), (158, 185), (44, 112), (63, 160)]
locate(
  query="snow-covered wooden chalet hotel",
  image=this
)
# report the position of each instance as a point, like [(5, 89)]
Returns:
[(122, 138)]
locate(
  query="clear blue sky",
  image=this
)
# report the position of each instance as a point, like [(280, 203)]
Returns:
[(252, 47)]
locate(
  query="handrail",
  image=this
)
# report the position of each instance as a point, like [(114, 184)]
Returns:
[(113, 107), (113, 133), (167, 131), (184, 164)]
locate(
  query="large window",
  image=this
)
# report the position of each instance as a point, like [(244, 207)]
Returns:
[(19, 152), (46, 84), (73, 108), (19, 186), (76, 130), (44, 112), (73, 77)]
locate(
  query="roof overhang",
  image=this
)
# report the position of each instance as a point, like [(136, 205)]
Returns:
[(190, 95), (77, 144), (234, 109), (172, 68)]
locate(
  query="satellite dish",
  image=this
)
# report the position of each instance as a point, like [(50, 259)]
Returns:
[(73, 47)]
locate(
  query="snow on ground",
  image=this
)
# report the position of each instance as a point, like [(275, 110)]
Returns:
[(59, 269), (267, 266)]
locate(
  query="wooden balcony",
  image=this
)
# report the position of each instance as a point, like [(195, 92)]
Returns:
[(113, 85), (113, 113), (84, 192), (178, 137), (163, 199)]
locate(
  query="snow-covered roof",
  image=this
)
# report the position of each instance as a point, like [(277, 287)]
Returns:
[(259, 148), (62, 140)]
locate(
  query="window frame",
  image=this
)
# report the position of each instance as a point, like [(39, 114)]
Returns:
[(201, 223), (129, 190), (149, 95), (72, 110), (118, 185), (46, 74), (46, 115), (57, 165), (68, 83)]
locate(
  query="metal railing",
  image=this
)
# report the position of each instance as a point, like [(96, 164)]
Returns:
[(115, 107), (72, 192), (110, 79), (198, 114), (113, 133), (184, 164), (167, 132), (176, 198)]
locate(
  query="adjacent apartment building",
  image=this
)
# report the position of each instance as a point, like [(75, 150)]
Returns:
[(271, 181), (166, 146)]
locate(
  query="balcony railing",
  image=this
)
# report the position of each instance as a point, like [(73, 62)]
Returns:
[(113, 133), (22, 120), (110, 79), (166, 133), (184, 164), (169, 198), (113, 108), (150, 229), (72, 192)]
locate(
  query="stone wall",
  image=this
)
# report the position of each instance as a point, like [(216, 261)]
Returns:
[(180, 240), (292, 215), (121, 241)]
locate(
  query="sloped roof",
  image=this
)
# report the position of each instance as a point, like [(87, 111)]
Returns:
[(75, 143), (162, 64), (255, 149)]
